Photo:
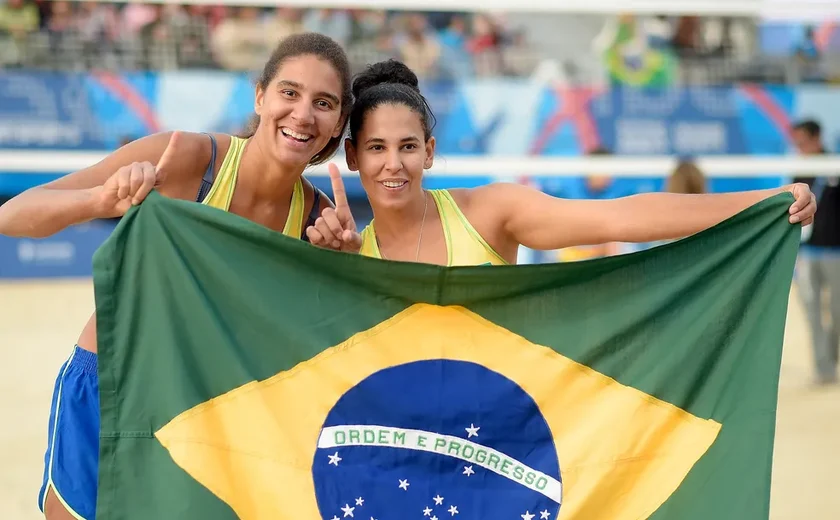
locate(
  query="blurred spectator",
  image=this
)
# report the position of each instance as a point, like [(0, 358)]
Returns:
[(456, 62), (518, 54), (99, 32), (61, 18), (485, 46), (686, 178), (593, 186), (18, 19), (98, 22), (286, 21), (367, 26), (600, 185), (239, 42), (191, 34), (455, 34), (62, 26), (687, 35), (420, 49), (807, 50), (136, 16), (818, 269), (631, 56), (159, 38), (335, 22), (374, 39), (659, 32)]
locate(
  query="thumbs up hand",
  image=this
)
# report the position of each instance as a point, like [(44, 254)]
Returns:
[(335, 228), (129, 185)]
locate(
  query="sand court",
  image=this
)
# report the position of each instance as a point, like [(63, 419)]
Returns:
[(39, 321)]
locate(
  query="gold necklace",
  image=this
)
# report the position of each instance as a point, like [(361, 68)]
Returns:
[(419, 239)]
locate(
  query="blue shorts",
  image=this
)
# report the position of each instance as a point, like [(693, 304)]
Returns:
[(71, 462)]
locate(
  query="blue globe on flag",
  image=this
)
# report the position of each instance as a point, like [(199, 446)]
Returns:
[(436, 439)]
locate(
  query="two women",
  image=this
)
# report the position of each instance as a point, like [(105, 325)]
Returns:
[(302, 101)]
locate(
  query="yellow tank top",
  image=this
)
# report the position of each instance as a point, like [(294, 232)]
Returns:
[(464, 246), (224, 184)]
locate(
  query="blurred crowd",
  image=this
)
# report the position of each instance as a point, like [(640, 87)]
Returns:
[(131, 36), (79, 35)]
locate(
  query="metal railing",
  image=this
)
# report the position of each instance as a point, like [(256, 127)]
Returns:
[(68, 51)]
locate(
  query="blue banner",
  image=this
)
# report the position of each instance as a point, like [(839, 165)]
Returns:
[(47, 110), (506, 116), (68, 253), (683, 121)]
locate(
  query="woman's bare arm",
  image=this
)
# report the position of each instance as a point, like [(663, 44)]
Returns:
[(106, 189), (540, 221)]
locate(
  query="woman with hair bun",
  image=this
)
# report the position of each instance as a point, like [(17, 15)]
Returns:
[(391, 143)]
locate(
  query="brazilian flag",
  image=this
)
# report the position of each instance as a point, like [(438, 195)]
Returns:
[(248, 375)]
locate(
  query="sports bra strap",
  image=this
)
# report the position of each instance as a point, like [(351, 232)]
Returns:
[(207, 180), (207, 185), (313, 213)]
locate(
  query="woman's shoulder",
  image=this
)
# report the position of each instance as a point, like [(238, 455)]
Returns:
[(481, 196), (193, 148), (197, 154), (476, 205), (488, 206), (204, 142)]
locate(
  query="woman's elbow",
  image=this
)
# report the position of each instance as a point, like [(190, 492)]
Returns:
[(6, 220), (13, 221)]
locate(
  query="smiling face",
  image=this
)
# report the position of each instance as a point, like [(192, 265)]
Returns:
[(390, 155), (300, 110)]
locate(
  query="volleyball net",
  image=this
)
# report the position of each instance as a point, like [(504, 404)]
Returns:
[(745, 166)]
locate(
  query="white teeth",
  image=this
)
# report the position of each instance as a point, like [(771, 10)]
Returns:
[(393, 184), (292, 133)]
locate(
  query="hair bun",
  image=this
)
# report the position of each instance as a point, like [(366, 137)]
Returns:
[(390, 71)]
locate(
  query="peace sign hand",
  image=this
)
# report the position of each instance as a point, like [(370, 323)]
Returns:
[(335, 228)]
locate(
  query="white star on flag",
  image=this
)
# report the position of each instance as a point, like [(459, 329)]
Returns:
[(360, 501), (335, 518), (527, 516), (334, 459), (434, 518), (404, 484), (544, 514), (468, 470), (472, 431), (427, 511), (453, 510), (348, 511), (438, 500)]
